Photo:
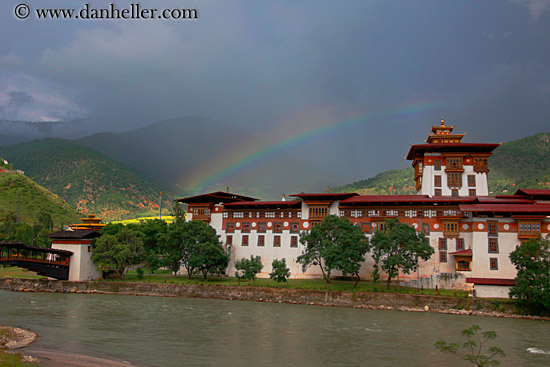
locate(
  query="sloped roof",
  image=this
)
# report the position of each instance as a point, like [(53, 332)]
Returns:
[(215, 197), (76, 234), (268, 204), (451, 148)]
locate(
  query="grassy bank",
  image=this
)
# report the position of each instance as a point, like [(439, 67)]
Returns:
[(164, 276), (11, 359)]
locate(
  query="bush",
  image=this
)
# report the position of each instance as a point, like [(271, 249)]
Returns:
[(280, 272)]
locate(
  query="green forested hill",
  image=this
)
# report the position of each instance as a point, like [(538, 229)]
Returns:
[(523, 163), (85, 178), (35, 199)]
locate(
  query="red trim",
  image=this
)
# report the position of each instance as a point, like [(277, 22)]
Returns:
[(515, 208), (451, 147), (264, 203), (72, 242), (491, 281)]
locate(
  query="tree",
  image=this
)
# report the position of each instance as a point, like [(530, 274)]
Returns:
[(280, 272), (532, 261), (249, 267), (119, 251), (473, 348), (209, 257), (187, 243), (398, 247), (334, 244), (151, 231)]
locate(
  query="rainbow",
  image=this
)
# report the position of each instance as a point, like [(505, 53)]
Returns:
[(239, 159)]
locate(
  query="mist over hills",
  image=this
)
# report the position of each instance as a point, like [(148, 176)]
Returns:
[(191, 155)]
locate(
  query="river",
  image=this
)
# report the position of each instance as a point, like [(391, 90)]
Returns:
[(157, 331)]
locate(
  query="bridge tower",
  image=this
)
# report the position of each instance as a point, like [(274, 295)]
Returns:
[(79, 242)]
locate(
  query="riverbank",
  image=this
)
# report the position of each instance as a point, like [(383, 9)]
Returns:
[(367, 300), (15, 338)]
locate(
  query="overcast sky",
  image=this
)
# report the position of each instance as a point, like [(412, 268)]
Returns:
[(282, 68)]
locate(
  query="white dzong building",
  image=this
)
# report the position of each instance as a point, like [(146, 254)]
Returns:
[(472, 233)]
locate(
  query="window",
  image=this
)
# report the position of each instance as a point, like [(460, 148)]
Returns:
[(277, 241), (437, 181), (493, 245), (225, 214), (246, 228), (278, 227), (471, 180), (410, 213), (480, 165), (437, 164), (261, 240), (262, 227), (460, 244), (270, 214), (472, 192), (493, 228), (238, 215), (454, 192), (450, 229), (493, 261), (380, 226), (443, 256), (230, 227), (454, 179), (89, 248), (529, 229), (294, 227), (426, 228), (229, 241), (442, 244), (294, 241), (366, 227), (318, 212), (245, 240), (454, 163), (437, 192)]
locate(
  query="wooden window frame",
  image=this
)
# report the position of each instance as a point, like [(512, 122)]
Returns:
[(442, 256), (492, 229), (262, 227), (245, 227), (471, 180), (460, 244), (244, 241), (493, 263), (277, 241), (426, 228), (366, 227), (493, 245), (230, 227), (437, 181), (442, 244), (277, 227), (294, 227), (437, 164), (294, 241), (261, 240)]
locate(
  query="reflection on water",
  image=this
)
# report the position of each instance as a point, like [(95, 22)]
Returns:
[(155, 331)]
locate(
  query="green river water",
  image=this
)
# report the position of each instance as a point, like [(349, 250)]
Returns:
[(156, 331)]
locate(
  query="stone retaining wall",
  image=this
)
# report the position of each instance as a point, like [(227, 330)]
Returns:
[(371, 300)]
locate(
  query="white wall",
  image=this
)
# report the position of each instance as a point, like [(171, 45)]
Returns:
[(81, 264)]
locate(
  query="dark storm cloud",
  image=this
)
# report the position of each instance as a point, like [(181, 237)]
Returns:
[(291, 66)]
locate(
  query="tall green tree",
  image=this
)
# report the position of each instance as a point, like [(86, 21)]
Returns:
[(185, 244), (532, 261), (474, 349), (398, 248), (209, 258), (151, 231), (334, 244), (119, 251)]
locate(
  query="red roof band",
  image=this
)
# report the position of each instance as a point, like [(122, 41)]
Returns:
[(491, 281)]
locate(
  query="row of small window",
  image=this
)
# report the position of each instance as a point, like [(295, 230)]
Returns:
[(410, 213), (455, 179), (261, 241), (454, 192), (293, 214), (456, 163), (262, 227)]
